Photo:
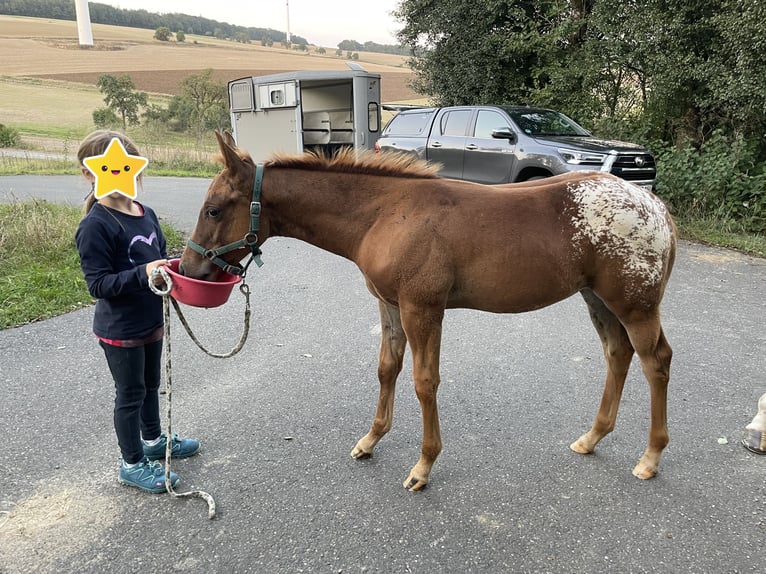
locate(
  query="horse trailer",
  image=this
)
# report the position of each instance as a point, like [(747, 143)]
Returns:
[(305, 111)]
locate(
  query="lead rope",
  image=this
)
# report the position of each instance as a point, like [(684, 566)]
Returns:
[(244, 288), (165, 293)]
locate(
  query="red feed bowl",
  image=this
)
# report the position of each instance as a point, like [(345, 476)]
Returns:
[(200, 293)]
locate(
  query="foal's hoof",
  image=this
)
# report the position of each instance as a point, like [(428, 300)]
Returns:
[(414, 483), (755, 441), (644, 471), (360, 454), (580, 447)]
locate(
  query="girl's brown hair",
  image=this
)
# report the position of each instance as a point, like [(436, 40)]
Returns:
[(96, 143)]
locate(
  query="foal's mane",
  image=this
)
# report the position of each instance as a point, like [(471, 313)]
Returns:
[(367, 163)]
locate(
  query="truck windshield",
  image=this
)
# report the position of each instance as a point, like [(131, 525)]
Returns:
[(538, 122)]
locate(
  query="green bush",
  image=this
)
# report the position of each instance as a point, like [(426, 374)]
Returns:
[(106, 118), (9, 137), (719, 180)]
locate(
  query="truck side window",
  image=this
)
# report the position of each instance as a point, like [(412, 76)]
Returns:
[(487, 121), (455, 123), (409, 123)]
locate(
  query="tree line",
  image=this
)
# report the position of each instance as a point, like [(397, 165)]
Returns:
[(687, 78), (105, 14)]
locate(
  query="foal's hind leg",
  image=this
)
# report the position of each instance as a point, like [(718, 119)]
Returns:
[(392, 345), (618, 353), (655, 353)]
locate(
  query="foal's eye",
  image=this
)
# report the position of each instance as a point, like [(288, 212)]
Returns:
[(213, 212)]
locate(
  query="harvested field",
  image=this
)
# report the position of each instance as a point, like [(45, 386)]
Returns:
[(40, 48)]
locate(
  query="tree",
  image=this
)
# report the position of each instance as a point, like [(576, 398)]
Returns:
[(673, 69), (207, 98), (481, 52), (163, 34), (686, 76), (121, 97), (180, 36)]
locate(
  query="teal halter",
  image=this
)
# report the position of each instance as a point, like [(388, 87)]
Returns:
[(250, 240)]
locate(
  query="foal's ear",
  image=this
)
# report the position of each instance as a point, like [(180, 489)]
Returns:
[(229, 138), (231, 159)]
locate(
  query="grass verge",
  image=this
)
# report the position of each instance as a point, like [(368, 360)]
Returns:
[(46, 155), (40, 273), (722, 234)]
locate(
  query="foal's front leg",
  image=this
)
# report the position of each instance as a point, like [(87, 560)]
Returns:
[(392, 345)]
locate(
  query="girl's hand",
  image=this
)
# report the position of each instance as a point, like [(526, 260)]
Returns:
[(151, 266)]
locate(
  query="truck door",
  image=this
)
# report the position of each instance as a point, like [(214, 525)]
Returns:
[(488, 160), (447, 142)]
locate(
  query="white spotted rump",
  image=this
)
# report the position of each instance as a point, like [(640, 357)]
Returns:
[(622, 220)]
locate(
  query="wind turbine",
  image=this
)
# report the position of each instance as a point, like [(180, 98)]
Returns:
[(287, 5), (84, 30)]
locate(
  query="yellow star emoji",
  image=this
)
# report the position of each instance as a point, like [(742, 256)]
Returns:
[(115, 170)]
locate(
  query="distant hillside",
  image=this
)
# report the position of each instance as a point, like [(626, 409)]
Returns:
[(105, 14)]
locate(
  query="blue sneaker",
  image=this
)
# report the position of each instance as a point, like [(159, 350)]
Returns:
[(180, 447), (146, 475)]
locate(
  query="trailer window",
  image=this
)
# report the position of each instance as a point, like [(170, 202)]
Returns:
[(277, 98), (373, 115)]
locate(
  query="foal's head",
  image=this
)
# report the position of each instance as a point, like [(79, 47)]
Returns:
[(225, 214)]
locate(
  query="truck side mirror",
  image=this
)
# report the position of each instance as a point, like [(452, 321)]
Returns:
[(504, 134)]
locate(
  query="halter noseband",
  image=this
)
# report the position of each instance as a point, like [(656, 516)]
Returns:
[(250, 240)]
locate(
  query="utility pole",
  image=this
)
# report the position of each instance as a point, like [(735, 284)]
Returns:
[(84, 30)]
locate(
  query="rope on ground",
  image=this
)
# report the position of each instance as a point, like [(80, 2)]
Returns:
[(165, 293)]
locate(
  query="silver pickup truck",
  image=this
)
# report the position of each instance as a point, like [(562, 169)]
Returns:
[(505, 144)]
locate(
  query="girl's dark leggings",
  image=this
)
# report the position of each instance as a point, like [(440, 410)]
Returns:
[(137, 373)]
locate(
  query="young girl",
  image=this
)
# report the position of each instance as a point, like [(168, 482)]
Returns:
[(120, 242)]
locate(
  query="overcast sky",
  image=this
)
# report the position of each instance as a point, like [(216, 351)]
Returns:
[(323, 22)]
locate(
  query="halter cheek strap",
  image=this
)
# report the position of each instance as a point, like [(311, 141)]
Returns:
[(250, 240)]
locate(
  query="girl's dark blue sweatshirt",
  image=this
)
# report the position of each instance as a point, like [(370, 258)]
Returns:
[(114, 249)]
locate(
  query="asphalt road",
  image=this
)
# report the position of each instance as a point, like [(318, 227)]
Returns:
[(278, 422)]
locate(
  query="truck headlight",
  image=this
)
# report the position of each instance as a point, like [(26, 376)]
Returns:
[(581, 157)]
